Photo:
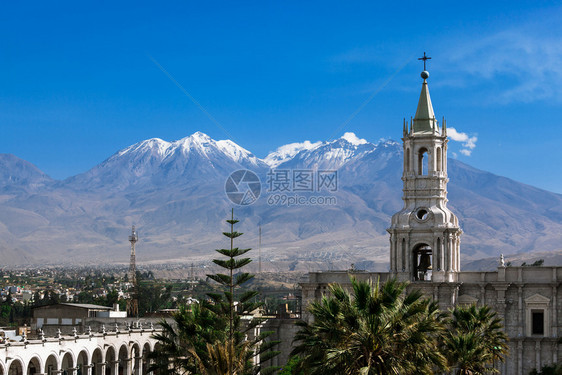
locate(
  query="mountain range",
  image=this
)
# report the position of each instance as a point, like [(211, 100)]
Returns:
[(174, 192)]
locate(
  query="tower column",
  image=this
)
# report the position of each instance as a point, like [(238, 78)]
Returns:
[(392, 255), (454, 267), (436, 254), (554, 312), (451, 254), (132, 302)]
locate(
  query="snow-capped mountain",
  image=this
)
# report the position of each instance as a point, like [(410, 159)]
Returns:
[(288, 151), (329, 155), (175, 193), (157, 162)]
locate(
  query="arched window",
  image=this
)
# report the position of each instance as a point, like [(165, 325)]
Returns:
[(97, 362), (110, 360), (122, 360), (16, 368), (438, 254), (67, 364), (403, 254), (33, 367), (423, 262), (439, 159), (51, 365), (145, 359), (407, 159), (423, 161), (82, 363), (136, 359)]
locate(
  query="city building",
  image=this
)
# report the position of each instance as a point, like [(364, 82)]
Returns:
[(116, 352), (425, 239), (67, 317)]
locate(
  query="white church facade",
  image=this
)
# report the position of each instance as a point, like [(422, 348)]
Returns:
[(425, 239)]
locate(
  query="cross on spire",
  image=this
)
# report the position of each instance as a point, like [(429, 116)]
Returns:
[(424, 58)]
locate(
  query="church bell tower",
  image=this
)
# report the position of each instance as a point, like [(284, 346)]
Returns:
[(425, 234)]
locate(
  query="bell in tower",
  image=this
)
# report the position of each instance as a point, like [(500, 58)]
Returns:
[(425, 234)]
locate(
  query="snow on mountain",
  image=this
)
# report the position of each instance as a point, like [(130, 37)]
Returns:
[(330, 155), (237, 153), (288, 151), (174, 191), (154, 146), (157, 162), (197, 142)]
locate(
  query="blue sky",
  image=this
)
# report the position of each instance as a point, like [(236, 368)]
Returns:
[(79, 81)]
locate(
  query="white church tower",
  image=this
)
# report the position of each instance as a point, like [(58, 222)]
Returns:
[(425, 234)]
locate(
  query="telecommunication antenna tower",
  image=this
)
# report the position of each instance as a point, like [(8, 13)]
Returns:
[(259, 250), (133, 302)]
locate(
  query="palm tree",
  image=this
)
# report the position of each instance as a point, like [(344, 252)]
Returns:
[(197, 343), (475, 340), (184, 342), (221, 362), (375, 329)]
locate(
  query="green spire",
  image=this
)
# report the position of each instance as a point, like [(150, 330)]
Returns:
[(424, 121)]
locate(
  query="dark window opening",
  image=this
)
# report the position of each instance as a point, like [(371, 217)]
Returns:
[(423, 162), (407, 159), (422, 214), (538, 322), (423, 262), (403, 254)]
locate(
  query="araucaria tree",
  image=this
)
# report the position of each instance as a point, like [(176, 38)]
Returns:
[(475, 340), (375, 329), (240, 355), (216, 337), (231, 281)]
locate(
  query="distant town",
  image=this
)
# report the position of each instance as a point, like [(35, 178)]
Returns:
[(23, 289)]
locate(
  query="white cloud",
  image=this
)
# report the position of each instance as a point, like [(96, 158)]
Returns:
[(468, 142), (353, 139), (456, 136), (526, 59)]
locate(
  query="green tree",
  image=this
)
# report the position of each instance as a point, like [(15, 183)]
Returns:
[(292, 367), (184, 342), (152, 296), (53, 298), (85, 297), (235, 306), (209, 337), (111, 297), (5, 311), (374, 329), (475, 340), (221, 361)]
